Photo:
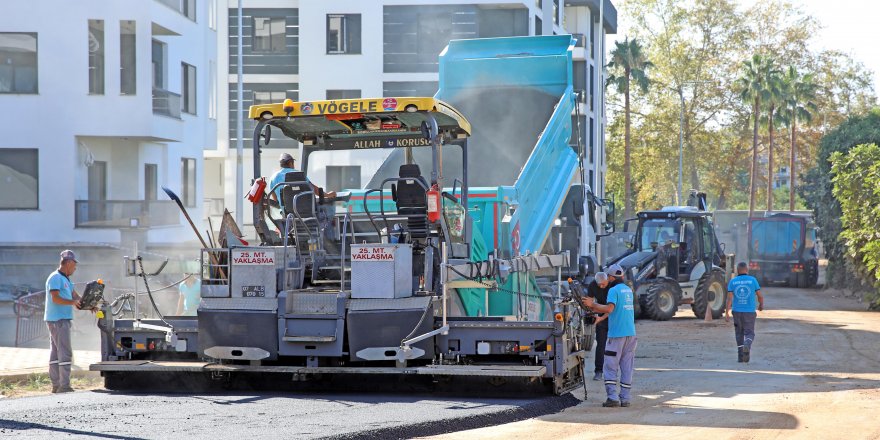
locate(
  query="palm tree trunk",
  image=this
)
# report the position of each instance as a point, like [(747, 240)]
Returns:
[(770, 164), (627, 184), (754, 168), (791, 163)]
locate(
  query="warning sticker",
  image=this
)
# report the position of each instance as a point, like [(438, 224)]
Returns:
[(252, 258), (372, 253)]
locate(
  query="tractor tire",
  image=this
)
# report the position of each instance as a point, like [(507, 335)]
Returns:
[(662, 299), (712, 292)]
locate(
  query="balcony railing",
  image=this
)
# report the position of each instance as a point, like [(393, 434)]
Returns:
[(125, 213), (166, 103), (580, 40)]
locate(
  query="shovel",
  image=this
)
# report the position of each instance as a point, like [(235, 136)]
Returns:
[(196, 230)]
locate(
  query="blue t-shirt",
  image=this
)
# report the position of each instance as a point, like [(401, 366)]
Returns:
[(191, 296), (54, 312), (622, 321), (744, 288), (278, 178)]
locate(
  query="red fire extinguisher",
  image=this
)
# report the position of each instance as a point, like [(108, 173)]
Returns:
[(257, 190), (433, 203)]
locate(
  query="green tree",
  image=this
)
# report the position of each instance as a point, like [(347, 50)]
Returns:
[(628, 65), (753, 85), (773, 101), (800, 91), (856, 180), (817, 190)]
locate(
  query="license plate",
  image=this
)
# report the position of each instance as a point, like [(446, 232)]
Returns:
[(253, 291)]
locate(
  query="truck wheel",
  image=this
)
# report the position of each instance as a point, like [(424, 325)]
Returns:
[(661, 301), (711, 292), (639, 301)]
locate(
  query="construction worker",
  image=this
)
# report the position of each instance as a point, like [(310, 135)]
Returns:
[(60, 300), (598, 289), (287, 166), (742, 291), (190, 295), (620, 349)]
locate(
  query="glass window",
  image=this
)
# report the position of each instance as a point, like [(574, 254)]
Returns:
[(656, 231), (96, 57), (188, 82), (18, 62), (343, 177), (343, 94), (188, 8), (343, 33), (555, 11), (212, 14), (269, 97), (160, 72), (269, 34), (708, 237), (212, 89), (128, 57), (151, 181), (188, 181), (19, 178), (539, 26)]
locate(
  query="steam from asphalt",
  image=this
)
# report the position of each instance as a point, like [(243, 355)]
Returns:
[(506, 124)]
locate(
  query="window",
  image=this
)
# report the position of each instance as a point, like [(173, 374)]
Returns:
[(18, 63), (188, 181), (188, 100), (212, 89), (343, 177), (555, 11), (96, 57), (127, 57), (160, 71), (188, 8), (19, 177), (539, 26), (343, 94), (212, 14), (343, 33), (269, 97), (151, 181), (269, 34)]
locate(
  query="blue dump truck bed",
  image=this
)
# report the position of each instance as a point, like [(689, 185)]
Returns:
[(776, 239), (782, 249)]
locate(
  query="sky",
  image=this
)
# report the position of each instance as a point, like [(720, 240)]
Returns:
[(851, 26)]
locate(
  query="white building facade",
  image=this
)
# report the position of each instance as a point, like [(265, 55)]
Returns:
[(313, 50), (104, 103)]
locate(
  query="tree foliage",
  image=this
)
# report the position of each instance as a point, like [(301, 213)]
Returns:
[(856, 186), (819, 195)]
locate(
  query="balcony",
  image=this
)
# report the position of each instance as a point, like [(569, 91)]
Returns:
[(125, 213), (166, 103)]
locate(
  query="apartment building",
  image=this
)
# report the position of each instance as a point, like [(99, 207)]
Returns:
[(103, 103)]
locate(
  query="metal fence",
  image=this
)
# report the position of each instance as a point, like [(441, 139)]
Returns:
[(29, 324)]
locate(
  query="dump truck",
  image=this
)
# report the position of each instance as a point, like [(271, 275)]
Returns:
[(433, 270), (782, 249)]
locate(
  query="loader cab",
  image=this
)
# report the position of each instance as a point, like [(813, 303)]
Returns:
[(683, 235)]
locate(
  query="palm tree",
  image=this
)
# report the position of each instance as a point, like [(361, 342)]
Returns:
[(753, 85), (776, 96), (628, 63), (798, 105)]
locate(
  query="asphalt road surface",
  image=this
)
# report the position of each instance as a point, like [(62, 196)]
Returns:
[(815, 373)]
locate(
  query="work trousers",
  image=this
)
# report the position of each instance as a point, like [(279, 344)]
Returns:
[(620, 355), (744, 326), (60, 353), (601, 338)]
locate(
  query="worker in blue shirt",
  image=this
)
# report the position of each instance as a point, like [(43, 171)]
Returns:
[(288, 164), (742, 292), (620, 349), (61, 298), (190, 295)]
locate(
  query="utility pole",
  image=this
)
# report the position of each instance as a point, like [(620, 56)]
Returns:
[(680, 140), (239, 130)]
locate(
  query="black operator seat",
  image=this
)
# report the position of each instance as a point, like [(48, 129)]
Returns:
[(304, 206), (411, 199)]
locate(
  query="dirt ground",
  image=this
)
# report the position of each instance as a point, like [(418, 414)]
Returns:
[(814, 373)]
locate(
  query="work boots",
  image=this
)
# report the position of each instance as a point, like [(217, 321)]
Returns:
[(739, 354)]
